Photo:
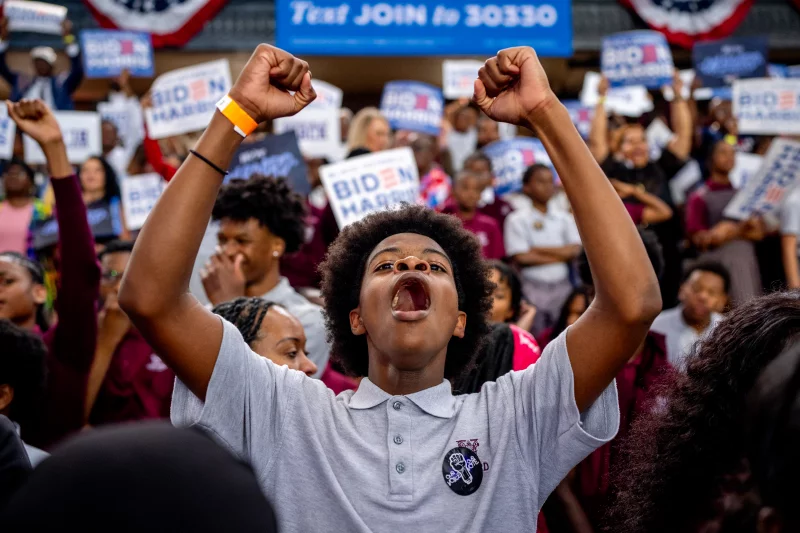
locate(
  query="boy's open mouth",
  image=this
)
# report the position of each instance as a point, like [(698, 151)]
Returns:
[(411, 300)]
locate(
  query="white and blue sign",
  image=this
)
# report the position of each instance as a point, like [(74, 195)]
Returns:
[(81, 132), (8, 132), (277, 156), (365, 184), (511, 158), (424, 27), (106, 53), (637, 58), (765, 191), (719, 63), (139, 195), (413, 106), (581, 116), (767, 106), (783, 71)]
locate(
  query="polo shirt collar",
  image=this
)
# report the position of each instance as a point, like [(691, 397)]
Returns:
[(280, 291), (437, 401)]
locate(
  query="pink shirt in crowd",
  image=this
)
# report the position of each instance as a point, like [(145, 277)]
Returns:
[(485, 228), (14, 224)]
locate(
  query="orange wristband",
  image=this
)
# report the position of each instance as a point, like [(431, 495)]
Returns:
[(243, 123)]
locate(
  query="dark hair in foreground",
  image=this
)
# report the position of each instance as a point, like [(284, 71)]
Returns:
[(343, 271), (116, 246), (22, 366), (246, 314), (676, 460), (510, 278), (270, 201)]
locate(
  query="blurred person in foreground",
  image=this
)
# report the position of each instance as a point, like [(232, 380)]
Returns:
[(398, 287), (54, 90), (684, 467), (71, 341)]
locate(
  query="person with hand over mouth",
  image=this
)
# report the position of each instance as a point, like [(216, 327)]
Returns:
[(407, 296)]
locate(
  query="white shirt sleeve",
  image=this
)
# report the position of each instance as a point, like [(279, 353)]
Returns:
[(247, 398), (515, 236), (553, 435)]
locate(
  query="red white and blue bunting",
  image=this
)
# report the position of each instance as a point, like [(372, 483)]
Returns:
[(685, 22), (170, 22)]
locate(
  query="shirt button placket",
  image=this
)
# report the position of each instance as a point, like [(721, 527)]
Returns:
[(398, 440)]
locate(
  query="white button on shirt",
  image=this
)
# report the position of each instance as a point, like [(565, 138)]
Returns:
[(530, 228), (519, 436)]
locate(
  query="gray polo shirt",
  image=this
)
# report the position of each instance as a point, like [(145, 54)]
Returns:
[(367, 461), (310, 316)]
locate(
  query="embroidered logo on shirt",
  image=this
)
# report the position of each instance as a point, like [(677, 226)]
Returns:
[(538, 225), (156, 364), (462, 470)]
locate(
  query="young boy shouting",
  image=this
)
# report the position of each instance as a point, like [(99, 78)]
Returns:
[(407, 295)]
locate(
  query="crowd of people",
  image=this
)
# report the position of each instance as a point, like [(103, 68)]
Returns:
[(597, 351)]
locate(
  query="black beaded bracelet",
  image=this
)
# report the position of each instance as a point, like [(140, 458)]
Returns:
[(209, 163)]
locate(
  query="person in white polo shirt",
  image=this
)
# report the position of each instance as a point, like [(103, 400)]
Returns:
[(542, 240), (407, 296)]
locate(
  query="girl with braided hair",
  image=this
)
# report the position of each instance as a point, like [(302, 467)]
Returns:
[(270, 331)]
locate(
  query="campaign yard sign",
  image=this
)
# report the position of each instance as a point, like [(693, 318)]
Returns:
[(630, 101), (423, 27), (767, 106), (37, 17), (458, 77), (369, 183), (637, 58), (81, 131), (329, 96), (139, 196), (8, 132), (275, 155), (184, 100), (413, 106), (581, 116), (126, 115), (764, 192), (719, 63), (745, 167), (106, 53), (510, 159), (318, 131)]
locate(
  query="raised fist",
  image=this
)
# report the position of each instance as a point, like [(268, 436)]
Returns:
[(263, 86), (35, 118), (513, 85)]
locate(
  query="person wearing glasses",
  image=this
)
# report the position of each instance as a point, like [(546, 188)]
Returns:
[(128, 381)]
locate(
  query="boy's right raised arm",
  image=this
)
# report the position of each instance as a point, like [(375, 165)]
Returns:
[(154, 291)]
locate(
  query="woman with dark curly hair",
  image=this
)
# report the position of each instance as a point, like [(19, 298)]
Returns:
[(682, 463), (407, 296), (260, 221)]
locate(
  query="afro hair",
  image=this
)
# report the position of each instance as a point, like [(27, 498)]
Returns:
[(346, 261), (270, 201)]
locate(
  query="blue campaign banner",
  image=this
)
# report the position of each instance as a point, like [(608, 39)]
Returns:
[(277, 156), (424, 27), (510, 158), (106, 53), (581, 116), (637, 58), (413, 106), (783, 71), (718, 63)]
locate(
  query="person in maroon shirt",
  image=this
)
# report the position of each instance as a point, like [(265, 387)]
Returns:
[(464, 205), (495, 207), (128, 380), (71, 341)]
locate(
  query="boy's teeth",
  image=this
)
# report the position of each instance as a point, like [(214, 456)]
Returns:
[(396, 298)]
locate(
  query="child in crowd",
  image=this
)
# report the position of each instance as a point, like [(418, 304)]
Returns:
[(260, 220), (576, 304), (508, 306), (703, 296), (490, 204), (434, 183), (466, 195), (731, 243), (543, 242), (71, 341), (270, 331), (20, 210), (128, 381), (407, 297)]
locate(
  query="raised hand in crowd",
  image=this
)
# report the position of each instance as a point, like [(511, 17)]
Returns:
[(513, 87), (223, 279), (35, 119), (154, 290)]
